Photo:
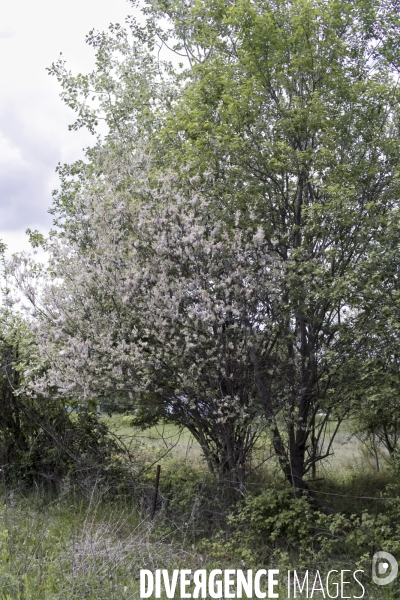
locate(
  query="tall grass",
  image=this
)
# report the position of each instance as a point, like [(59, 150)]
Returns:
[(91, 544), (57, 549)]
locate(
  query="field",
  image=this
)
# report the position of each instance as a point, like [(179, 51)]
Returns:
[(91, 543)]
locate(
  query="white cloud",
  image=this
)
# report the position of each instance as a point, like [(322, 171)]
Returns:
[(33, 120), (6, 32)]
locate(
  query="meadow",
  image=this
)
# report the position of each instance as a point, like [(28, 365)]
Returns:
[(225, 258), (90, 542)]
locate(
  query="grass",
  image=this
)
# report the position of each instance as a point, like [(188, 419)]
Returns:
[(347, 481), (348, 452), (61, 549), (91, 544), (158, 441)]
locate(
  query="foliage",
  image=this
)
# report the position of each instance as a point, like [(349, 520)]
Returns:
[(60, 546), (56, 549), (376, 320), (39, 440), (123, 102), (279, 527), (293, 108), (156, 300), (271, 525), (290, 110), (192, 502)]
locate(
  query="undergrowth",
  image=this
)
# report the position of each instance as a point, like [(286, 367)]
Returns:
[(92, 542), (56, 549)]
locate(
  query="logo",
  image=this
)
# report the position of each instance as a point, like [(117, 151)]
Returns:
[(384, 568)]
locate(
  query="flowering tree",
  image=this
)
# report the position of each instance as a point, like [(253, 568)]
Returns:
[(293, 109), (293, 106), (151, 297)]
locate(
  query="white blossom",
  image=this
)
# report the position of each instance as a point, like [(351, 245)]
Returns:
[(156, 302)]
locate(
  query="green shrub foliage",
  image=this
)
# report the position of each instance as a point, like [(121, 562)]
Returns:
[(40, 439)]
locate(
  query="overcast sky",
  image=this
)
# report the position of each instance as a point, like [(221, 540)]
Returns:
[(34, 134)]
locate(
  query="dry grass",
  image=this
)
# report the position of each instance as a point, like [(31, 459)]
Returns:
[(61, 549), (69, 547)]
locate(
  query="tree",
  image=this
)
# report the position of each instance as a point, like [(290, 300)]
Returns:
[(163, 303), (290, 110), (122, 102), (293, 107), (375, 321), (13, 440), (40, 441)]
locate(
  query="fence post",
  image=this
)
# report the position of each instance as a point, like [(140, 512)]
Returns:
[(156, 484)]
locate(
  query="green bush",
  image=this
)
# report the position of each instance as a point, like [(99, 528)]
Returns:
[(278, 527), (40, 441), (271, 525)]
